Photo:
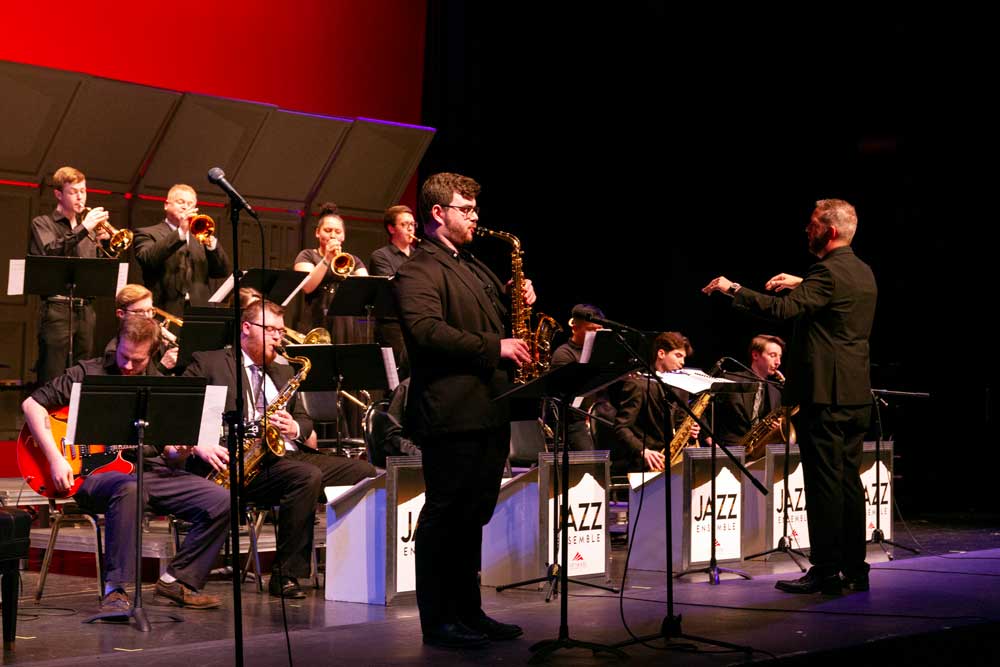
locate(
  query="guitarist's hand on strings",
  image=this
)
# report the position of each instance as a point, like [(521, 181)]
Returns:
[(62, 474)]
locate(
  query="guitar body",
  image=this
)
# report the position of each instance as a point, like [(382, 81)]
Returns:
[(84, 460)]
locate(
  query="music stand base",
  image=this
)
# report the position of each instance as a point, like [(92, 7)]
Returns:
[(784, 547), (713, 572), (878, 537), (670, 629), (137, 614), (551, 580), (545, 647)]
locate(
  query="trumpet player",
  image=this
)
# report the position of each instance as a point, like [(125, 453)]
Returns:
[(69, 231), (385, 261), (137, 301), (735, 413), (175, 266), (327, 264)]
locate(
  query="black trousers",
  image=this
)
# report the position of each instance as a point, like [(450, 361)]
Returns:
[(53, 337), (831, 440), (462, 476), (192, 498), (294, 487), (335, 470)]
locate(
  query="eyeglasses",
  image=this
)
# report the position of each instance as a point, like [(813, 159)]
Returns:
[(145, 312), (269, 330), (465, 210)]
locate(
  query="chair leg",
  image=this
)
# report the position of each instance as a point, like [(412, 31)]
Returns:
[(47, 560), (98, 555), (254, 523)]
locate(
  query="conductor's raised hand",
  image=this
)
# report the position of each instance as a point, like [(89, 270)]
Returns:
[(782, 281)]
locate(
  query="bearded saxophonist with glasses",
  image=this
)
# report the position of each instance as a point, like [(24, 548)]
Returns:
[(179, 255), (295, 480), (454, 315)]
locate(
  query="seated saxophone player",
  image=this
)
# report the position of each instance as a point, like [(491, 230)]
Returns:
[(176, 266), (287, 481), (577, 428), (327, 264), (646, 418), (170, 489), (735, 413), (137, 301)]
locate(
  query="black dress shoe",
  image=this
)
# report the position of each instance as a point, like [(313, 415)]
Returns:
[(285, 587), (492, 628), (811, 583), (455, 635), (858, 583)]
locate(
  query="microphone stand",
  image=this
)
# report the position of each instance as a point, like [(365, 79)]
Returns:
[(670, 626), (878, 537)]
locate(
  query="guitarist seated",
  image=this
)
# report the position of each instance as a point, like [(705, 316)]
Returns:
[(110, 488)]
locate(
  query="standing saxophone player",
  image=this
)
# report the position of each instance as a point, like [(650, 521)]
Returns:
[(454, 317)]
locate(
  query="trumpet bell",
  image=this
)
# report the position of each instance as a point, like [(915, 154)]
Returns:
[(343, 264), (121, 240), (202, 227)]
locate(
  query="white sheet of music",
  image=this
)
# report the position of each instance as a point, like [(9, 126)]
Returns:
[(223, 291), (691, 380), (15, 278), (588, 348), (211, 414), (122, 277), (389, 359), (74, 409)]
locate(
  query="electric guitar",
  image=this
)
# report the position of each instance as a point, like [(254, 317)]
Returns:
[(85, 460)]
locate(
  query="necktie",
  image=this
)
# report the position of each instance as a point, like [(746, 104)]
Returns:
[(260, 402), (758, 399)]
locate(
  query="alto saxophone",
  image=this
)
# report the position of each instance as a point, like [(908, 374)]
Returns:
[(683, 433), (263, 440), (775, 426), (539, 341)]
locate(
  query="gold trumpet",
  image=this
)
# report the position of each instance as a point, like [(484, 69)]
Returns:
[(343, 264), (203, 228), (121, 239)]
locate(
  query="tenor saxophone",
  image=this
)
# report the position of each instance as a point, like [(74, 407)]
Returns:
[(263, 440), (540, 340), (683, 433)]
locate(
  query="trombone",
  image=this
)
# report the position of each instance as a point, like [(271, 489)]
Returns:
[(120, 241), (321, 336)]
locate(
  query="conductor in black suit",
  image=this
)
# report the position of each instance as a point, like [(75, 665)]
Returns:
[(832, 309), (292, 484), (453, 314), (175, 266)]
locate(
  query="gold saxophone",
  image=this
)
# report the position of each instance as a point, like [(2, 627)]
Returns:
[(539, 341), (683, 433), (775, 426), (263, 439)]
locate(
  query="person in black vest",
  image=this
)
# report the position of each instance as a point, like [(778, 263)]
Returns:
[(176, 267), (453, 314), (832, 309)]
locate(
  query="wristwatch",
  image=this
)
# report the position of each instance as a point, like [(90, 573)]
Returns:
[(733, 289)]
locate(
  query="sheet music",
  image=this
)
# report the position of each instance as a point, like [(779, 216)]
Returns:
[(223, 291), (637, 479), (691, 380), (390, 368), (15, 278), (588, 345), (211, 414), (295, 291), (122, 277), (74, 409)]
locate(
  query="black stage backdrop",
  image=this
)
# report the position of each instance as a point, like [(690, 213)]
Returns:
[(637, 152)]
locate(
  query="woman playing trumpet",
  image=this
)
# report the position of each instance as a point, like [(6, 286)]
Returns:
[(327, 265)]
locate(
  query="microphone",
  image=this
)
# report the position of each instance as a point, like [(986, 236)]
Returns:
[(607, 324), (717, 367), (218, 177)]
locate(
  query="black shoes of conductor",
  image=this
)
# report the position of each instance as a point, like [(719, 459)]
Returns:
[(832, 584), (455, 635), (493, 629)]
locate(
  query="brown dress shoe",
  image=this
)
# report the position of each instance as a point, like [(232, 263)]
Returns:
[(116, 600), (185, 597)]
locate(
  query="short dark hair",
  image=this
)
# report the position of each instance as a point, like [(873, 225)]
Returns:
[(325, 209), (393, 212), (671, 340), (139, 330), (760, 341), (66, 176), (439, 189)]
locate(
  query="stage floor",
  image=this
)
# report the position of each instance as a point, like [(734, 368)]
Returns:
[(939, 607)]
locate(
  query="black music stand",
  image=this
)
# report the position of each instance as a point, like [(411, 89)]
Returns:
[(878, 537), (76, 277), (154, 403), (357, 295), (560, 386), (205, 328), (277, 285), (342, 367)]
